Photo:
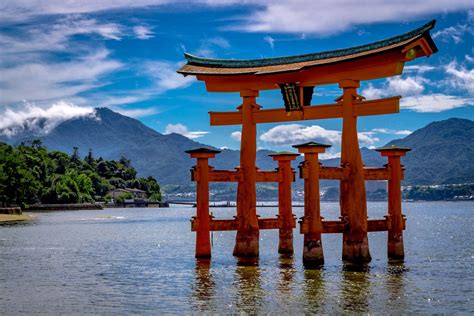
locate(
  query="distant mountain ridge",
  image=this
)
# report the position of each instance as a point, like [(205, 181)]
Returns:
[(441, 153)]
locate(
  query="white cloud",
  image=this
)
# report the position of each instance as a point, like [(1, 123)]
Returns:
[(55, 36), (373, 93), (137, 113), (461, 77), (320, 17), (330, 155), (411, 85), (391, 131), (270, 40), (208, 46), (455, 33), (183, 130), (470, 59), (165, 76), (218, 41), (406, 86), (45, 81), (292, 134), (367, 138), (418, 68), (38, 119), (236, 135), (332, 16), (142, 32), (20, 10), (434, 103)]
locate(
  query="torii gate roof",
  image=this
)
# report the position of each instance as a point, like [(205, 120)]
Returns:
[(313, 68)]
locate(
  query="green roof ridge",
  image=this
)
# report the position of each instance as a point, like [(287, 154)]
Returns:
[(246, 63)]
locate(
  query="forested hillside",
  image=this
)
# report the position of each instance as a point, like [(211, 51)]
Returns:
[(30, 174)]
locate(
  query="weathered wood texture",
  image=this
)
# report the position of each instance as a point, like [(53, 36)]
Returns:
[(247, 238), (312, 112), (353, 199)]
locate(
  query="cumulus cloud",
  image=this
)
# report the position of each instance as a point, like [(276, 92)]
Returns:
[(142, 32), (461, 77), (406, 86), (290, 134), (183, 130), (40, 120), (434, 103), (236, 135), (371, 92)]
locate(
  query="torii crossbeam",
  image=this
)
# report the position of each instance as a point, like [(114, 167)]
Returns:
[(345, 67)]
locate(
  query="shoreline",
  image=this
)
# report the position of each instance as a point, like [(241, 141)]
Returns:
[(5, 218)]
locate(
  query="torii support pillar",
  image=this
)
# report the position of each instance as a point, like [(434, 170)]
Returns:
[(353, 201), (285, 213), (395, 247), (247, 238), (311, 224), (202, 220)]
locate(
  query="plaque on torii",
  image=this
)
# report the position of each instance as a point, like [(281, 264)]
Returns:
[(345, 67)]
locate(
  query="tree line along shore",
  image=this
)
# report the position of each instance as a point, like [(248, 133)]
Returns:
[(32, 175)]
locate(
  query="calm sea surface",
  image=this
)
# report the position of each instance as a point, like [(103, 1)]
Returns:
[(121, 261)]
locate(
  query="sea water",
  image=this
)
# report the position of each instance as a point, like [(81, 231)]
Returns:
[(137, 260)]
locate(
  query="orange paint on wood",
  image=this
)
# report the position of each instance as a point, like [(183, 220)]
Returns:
[(352, 193), (310, 112), (285, 244), (247, 238), (395, 247), (312, 244), (203, 242), (269, 176)]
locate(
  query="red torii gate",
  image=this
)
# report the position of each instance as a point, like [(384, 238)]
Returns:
[(346, 67)]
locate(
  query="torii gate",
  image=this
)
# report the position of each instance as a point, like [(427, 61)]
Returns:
[(294, 75)]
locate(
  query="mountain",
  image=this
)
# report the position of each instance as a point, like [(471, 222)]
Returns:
[(111, 135), (442, 151)]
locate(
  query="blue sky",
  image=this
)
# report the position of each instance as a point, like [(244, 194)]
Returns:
[(60, 59)]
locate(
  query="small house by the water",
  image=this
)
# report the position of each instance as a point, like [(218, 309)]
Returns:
[(137, 194)]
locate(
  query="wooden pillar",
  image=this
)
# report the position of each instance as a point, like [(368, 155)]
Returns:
[(285, 213), (311, 224), (202, 220), (353, 199), (395, 247), (247, 238)]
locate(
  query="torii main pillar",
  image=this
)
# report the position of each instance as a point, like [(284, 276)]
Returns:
[(246, 242), (355, 247)]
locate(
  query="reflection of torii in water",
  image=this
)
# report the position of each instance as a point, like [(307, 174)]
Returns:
[(295, 76)]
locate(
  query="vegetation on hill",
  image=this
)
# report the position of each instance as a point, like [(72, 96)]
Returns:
[(31, 174), (440, 192)]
